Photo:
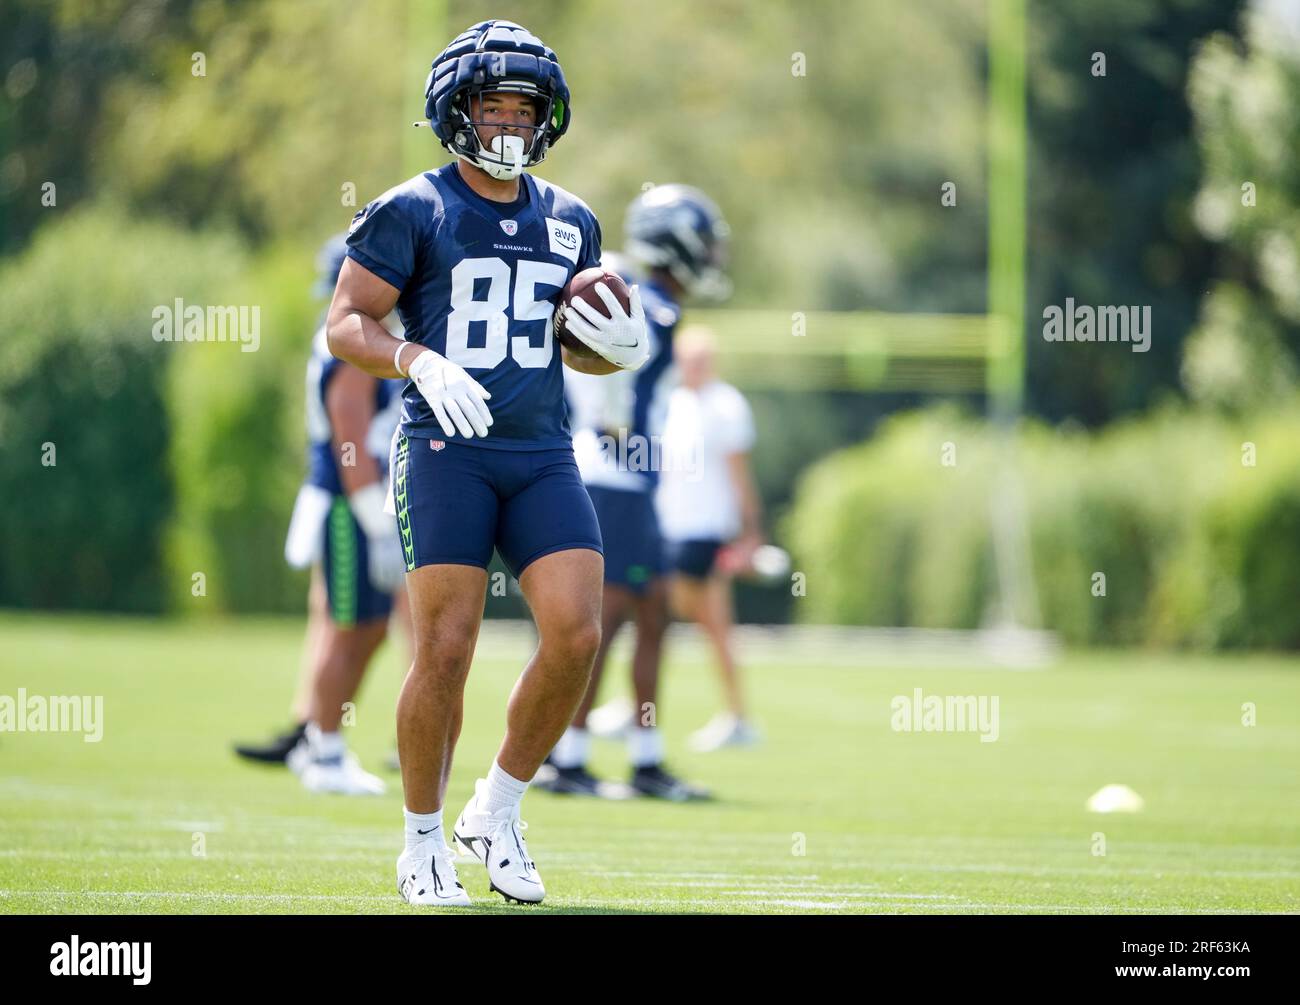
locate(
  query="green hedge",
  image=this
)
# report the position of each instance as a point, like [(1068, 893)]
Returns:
[(81, 373), (237, 448), (1198, 549), (170, 458)]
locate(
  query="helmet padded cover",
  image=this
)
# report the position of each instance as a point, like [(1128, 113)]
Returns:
[(494, 51)]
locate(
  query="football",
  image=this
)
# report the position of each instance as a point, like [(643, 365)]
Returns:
[(583, 286)]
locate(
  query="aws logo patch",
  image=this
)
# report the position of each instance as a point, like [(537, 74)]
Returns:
[(566, 239)]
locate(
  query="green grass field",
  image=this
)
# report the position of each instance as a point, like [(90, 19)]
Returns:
[(886, 821)]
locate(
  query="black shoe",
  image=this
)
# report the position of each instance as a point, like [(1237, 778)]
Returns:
[(576, 781), (655, 782), (273, 751)]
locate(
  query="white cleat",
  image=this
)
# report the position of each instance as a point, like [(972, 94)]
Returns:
[(341, 775), (612, 720), (498, 842), (299, 757), (724, 730), (426, 876)]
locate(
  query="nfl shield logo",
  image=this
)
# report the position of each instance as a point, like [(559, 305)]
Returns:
[(511, 227), (436, 444)]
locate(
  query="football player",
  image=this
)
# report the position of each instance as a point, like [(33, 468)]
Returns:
[(474, 256), (676, 235), (340, 529)]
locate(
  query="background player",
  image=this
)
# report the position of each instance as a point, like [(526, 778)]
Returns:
[(473, 256), (678, 236), (339, 529)]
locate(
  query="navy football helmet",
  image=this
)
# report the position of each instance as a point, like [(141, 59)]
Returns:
[(496, 56), (329, 263), (679, 228)]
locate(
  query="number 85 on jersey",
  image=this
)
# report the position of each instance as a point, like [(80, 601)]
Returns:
[(526, 308)]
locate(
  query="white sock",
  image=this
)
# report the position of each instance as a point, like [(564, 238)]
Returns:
[(429, 823), (645, 746), (323, 745), (572, 750), (503, 790)]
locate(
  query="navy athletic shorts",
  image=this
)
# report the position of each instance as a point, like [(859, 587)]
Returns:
[(634, 551), (694, 558), (456, 502), (352, 598)]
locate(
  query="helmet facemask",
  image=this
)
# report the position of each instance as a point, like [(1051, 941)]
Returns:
[(710, 281), (696, 260), (508, 153)]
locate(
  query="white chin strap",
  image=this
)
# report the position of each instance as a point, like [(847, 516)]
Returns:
[(506, 148)]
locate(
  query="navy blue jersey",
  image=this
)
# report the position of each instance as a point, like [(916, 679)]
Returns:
[(322, 462), (479, 281), (653, 382), (614, 413)]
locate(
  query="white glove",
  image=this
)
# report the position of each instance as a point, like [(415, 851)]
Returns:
[(385, 561), (455, 397), (621, 338)]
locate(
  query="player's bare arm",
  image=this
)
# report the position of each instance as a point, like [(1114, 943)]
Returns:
[(356, 336), (751, 514), (354, 329), (350, 403)]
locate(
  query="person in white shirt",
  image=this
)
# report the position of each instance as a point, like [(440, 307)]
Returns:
[(710, 516)]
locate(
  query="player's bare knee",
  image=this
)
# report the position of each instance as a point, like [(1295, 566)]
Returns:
[(584, 642), (444, 659), (575, 645)]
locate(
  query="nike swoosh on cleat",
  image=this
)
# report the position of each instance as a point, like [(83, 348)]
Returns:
[(468, 843)]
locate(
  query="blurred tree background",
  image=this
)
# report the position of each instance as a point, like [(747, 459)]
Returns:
[(205, 149), (1242, 353)]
